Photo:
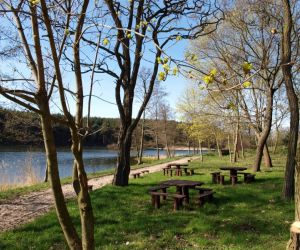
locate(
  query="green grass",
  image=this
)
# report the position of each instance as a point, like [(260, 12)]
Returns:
[(10, 193), (245, 216)]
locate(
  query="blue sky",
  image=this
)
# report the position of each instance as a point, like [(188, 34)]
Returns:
[(174, 86)]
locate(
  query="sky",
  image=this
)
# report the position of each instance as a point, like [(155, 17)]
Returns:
[(174, 86)]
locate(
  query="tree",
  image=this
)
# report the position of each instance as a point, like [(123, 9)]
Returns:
[(141, 31), (286, 64), (42, 32), (239, 46)]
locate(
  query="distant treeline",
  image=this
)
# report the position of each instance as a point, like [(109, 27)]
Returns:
[(23, 128)]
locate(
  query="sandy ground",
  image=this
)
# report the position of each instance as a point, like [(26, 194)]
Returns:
[(18, 211)]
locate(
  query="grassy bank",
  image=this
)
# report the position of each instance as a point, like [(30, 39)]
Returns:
[(9, 192), (245, 216)]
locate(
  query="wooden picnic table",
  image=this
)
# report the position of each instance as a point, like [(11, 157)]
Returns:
[(233, 174), (177, 167), (183, 186), (233, 170)]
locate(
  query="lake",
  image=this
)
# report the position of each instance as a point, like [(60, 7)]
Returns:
[(18, 167)]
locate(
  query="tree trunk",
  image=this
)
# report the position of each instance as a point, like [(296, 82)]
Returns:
[(218, 147), (288, 188), (235, 146), (229, 148), (276, 141), (157, 146), (291, 245), (242, 145), (140, 159), (267, 157), (166, 139), (64, 218), (200, 150), (265, 132), (122, 172), (80, 184), (46, 174)]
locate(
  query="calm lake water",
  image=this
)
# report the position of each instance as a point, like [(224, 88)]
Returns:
[(22, 166)]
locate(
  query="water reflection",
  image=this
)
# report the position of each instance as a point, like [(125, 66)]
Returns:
[(19, 166)]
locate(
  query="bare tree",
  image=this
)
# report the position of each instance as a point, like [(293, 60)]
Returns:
[(140, 33), (43, 34)]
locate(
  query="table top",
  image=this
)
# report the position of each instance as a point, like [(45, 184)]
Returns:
[(177, 164), (182, 183), (233, 168)]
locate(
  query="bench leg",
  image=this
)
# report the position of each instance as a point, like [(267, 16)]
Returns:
[(164, 190), (222, 179), (176, 204), (214, 178), (233, 180), (218, 178), (156, 201)]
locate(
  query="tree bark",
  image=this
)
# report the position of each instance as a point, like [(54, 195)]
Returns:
[(229, 148), (267, 157), (265, 132), (166, 139), (276, 141), (80, 184), (235, 146), (122, 172), (288, 188), (64, 218), (200, 151), (140, 159), (242, 145), (46, 174), (218, 147)]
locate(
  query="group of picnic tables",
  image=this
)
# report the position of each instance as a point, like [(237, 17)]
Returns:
[(182, 195)]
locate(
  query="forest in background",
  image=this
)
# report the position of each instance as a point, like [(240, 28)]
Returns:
[(23, 128)]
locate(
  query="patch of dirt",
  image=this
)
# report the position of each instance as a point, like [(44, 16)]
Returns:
[(21, 210)]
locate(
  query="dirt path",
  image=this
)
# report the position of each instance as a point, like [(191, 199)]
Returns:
[(18, 211)]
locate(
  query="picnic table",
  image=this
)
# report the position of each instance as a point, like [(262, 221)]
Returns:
[(233, 170), (178, 169), (233, 173), (183, 186)]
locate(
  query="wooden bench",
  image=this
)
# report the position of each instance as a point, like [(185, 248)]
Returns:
[(215, 177), (189, 171), (168, 170), (136, 175), (206, 196), (177, 198), (162, 188), (248, 177), (145, 172)]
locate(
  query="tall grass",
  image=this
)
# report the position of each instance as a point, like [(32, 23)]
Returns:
[(27, 176)]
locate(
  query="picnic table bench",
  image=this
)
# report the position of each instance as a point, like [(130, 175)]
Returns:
[(215, 177), (136, 175), (248, 177), (205, 196)]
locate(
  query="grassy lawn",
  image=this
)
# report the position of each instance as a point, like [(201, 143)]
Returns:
[(245, 216)]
